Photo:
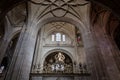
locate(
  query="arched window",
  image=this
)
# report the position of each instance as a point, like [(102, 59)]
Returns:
[(63, 37), (58, 37), (53, 37)]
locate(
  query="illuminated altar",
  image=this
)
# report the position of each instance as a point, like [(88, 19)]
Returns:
[(59, 66)]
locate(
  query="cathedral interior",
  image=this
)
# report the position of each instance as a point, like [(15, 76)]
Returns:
[(59, 40)]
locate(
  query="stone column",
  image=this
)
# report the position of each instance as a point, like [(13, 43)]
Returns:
[(95, 65), (22, 59), (115, 51), (107, 54)]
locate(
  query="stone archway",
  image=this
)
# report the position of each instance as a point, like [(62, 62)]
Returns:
[(58, 50), (58, 62)]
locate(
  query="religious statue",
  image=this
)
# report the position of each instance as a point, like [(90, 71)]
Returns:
[(60, 57)]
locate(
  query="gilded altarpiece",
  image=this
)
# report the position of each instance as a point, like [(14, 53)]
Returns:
[(59, 66)]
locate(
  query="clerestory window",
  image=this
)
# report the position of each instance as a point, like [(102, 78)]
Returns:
[(58, 37)]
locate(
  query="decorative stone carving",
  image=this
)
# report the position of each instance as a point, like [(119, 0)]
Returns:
[(59, 64)]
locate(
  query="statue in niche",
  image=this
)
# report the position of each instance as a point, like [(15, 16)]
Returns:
[(79, 38)]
